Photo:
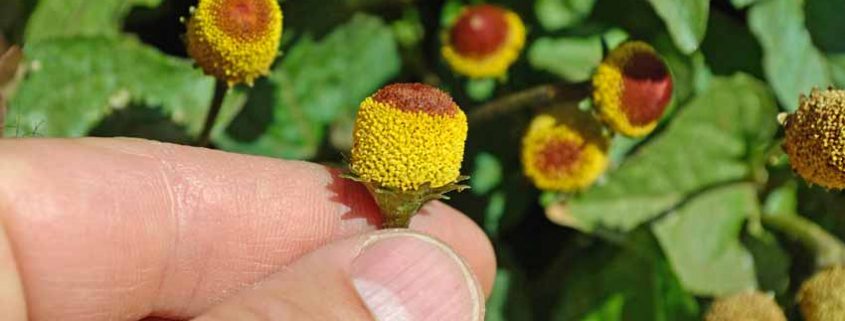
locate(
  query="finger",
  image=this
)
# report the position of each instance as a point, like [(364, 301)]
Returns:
[(387, 276), (12, 306), (116, 229)]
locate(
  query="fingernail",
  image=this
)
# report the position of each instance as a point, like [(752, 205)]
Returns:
[(406, 276)]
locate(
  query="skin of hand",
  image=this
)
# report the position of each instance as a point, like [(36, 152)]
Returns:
[(128, 229)]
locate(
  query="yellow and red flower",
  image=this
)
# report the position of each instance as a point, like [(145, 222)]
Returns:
[(407, 136), (565, 151), (484, 41), (631, 89), (235, 40), (814, 140), (408, 145)]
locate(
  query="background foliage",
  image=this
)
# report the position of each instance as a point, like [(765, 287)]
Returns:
[(674, 223)]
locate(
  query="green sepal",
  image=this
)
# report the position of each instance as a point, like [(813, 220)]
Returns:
[(399, 206)]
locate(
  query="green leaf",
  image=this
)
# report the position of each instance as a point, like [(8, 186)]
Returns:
[(825, 23), (837, 68), (67, 18), (409, 31), (498, 306), (595, 281), (701, 240), (771, 262), (74, 82), (822, 207), (571, 58), (730, 47), (509, 300), (494, 213), (614, 37), (620, 146), (611, 309), (480, 89), (726, 123), (686, 21), (487, 173), (450, 12), (509, 204), (783, 200), (316, 83), (337, 73), (272, 124), (558, 14), (142, 122), (792, 64), (739, 4)]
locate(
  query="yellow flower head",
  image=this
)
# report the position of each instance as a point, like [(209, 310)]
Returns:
[(235, 40), (814, 138), (748, 306), (631, 89), (822, 297), (484, 41), (565, 151), (408, 136)]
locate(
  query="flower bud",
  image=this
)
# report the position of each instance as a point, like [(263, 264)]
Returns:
[(564, 151), (748, 306), (814, 138), (631, 89), (235, 40), (484, 41), (822, 297), (408, 145)]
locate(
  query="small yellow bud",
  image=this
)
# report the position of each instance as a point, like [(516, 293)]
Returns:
[(408, 145)]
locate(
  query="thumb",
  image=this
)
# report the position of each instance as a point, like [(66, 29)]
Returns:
[(393, 275)]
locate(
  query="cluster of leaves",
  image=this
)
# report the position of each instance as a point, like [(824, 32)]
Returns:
[(675, 222)]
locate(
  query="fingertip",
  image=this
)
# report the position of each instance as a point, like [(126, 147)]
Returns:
[(464, 235), (396, 266), (395, 274)]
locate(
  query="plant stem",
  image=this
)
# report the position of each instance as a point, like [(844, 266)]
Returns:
[(396, 221), (531, 97), (829, 250), (220, 89)]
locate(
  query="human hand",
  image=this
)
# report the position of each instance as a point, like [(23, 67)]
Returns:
[(124, 229)]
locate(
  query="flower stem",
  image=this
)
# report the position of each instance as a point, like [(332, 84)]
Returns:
[(829, 250), (530, 97), (220, 90), (398, 220)]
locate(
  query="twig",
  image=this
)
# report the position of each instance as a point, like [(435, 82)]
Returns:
[(829, 250), (220, 89), (531, 97)]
